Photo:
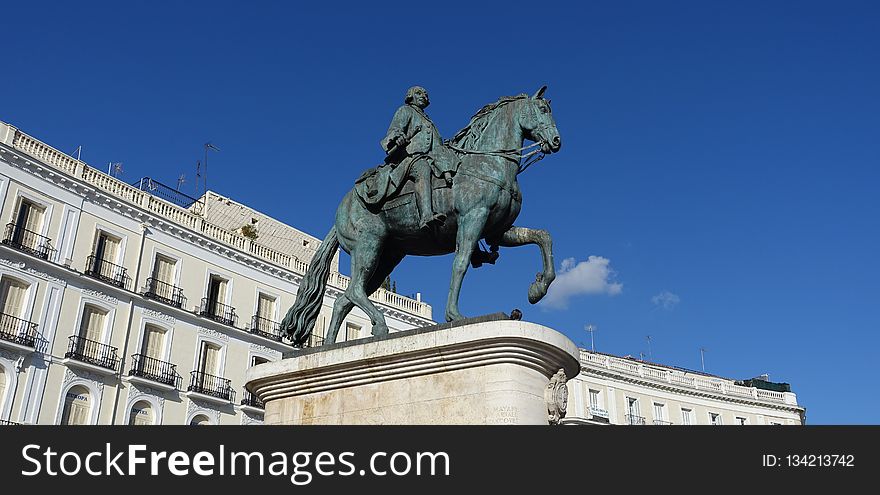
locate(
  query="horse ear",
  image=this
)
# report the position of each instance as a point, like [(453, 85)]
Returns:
[(540, 92)]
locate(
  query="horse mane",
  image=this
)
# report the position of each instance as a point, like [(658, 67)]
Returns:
[(472, 132)]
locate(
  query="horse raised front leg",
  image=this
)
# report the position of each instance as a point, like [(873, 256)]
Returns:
[(520, 236), (470, 228)]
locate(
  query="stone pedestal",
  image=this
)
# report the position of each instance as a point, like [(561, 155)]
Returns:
[(488, 372)]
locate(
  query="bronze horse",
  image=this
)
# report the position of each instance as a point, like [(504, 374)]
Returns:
[(482, 203)]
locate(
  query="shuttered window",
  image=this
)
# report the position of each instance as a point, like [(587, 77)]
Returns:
[(163, 270), (154, 339), (12, 293), (210, 359), (92, 325), (266, 307), (76, 407)]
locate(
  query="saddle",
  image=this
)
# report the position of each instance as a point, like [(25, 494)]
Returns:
[(377, 187)]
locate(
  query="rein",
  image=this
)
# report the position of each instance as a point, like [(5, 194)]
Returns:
[(515, 155)]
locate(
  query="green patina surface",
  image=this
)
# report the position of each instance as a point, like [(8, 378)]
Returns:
[(432, 197)]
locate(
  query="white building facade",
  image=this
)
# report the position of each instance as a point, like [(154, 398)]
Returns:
[(625, 391), (121, 306)]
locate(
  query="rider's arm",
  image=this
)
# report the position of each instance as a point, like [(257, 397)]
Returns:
[(397, 130)]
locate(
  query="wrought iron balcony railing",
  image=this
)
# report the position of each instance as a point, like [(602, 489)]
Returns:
[(251, 400), (662, 422), (153, 369), (215, 386), (266, 328), (92, 352), (17, 331), (635, 420), (164, 292), (3, 422), (30, 242), (218, 312), (313, 341), (106, 271)]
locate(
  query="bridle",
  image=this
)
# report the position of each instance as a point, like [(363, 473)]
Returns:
[(516, 155)]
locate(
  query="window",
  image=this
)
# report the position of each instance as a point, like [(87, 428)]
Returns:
[(30, 217), (714, 418), (106, 247), (217, 290), (154, 342), (92, 325), (209, 359), (352, 331), (77, 407), (660, 414), (633, 416), (687, 416), (200, 420), (258, 360), (163, 270), (265, 313), (12, 294), (141, 414), (594, 399), (741, 421), (2, 386)]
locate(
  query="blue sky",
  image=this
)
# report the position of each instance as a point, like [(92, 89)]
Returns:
[(719, 161)]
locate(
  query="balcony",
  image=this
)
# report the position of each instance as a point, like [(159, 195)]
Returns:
[(97, 356), (106, 271), (218, 312), (635, 420), (313, 341), (30, 242), (265, 328), (17, 331), (161, 372), (661, 422), (251, 401), (164, 293), (210, 387), (3, 422)]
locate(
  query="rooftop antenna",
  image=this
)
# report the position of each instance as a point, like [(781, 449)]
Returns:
[(181, 181), (114, 169), (702, 359), (591, 328), (208, 146), (650, 354), (78, 151)]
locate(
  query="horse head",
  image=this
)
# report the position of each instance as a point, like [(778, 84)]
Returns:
[(536, 120)]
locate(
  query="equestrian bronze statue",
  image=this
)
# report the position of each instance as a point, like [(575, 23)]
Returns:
[(433, 198)]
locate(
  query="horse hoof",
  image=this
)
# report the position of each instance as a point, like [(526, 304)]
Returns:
[(450, 317), (536, 292)]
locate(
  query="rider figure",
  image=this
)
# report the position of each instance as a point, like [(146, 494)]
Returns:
[(417, 152)]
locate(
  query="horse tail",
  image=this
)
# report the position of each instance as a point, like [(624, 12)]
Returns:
[(300, 318)]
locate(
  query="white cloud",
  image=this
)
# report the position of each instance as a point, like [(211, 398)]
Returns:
[(666, 300), (574, 278)]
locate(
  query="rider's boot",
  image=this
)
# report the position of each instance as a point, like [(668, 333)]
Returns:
[(424, 192)]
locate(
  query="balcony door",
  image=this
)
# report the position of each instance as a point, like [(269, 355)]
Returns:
[(265, 313), (92, 325), (209, 359), (12, 294), (30, 217), (106, 251), (154, 343), (216, 296)]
